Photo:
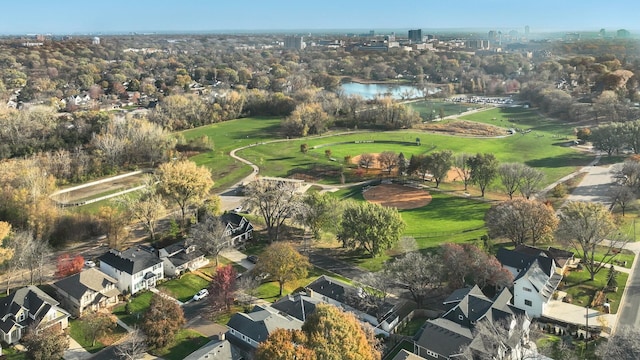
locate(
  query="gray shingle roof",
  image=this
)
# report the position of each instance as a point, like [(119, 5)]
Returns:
[(299, 306), (405, 355), (215, 350), (78, 284), (444, 337), (261, 322), (36, 301), (131, 261)]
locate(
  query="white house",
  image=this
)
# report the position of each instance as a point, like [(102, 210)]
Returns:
[(536, 278), (237, 227), (29, 306), (137, 268)]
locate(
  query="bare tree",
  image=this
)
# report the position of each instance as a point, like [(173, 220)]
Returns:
[(521, 221), (18, 245), (276, 201), (247, 289), (407, 244), (530, 181), (38, 253), (388, 160), (419, 274), (622, 196), (590, 229), (210, 237), (147, 208), (623, 344), (510, 175), (491, 338), (133, 348), (366, 160), (461, 166)]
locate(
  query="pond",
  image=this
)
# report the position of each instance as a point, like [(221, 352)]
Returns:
[(370, 91)]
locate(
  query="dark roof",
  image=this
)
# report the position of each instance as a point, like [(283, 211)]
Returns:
[(261, 322), (131, 261), (522, 260), (91, 279), (329, 287), (299, 306), (215, 350), (444, 337), (475, 306), (180, 253), (543, 282), (34, 300), (238, 223), (457, 295)]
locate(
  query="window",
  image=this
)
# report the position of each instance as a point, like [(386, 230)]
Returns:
[(526, 289), (527, 302), (432, 354), (21, 317)]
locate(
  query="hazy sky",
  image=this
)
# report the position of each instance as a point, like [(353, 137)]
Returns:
[(85, 16)]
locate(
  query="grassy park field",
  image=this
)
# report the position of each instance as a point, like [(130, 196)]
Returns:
[(430, 109)]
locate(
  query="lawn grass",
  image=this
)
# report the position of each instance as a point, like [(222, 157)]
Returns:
[(226, 136), (138, 305), (269, 290), (184, 287), (76, 332), (582, 289), (185, 342), (412, 326), (210, 269), (10, 353)]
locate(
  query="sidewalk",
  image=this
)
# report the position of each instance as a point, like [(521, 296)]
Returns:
[(156, 291), (75, 351)]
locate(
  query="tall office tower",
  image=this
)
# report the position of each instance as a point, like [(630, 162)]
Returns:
[(294, 42), (415, 35)]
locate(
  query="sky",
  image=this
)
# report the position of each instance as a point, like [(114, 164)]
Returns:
[(117, 16)]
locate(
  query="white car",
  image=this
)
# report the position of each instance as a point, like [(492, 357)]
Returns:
[(200, 295), (238, 209), (89, 263)]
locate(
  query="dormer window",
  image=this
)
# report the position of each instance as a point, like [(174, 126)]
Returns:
[(22, 316)]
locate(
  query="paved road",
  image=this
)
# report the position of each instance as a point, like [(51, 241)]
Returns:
[(596, 186), (339, 267)]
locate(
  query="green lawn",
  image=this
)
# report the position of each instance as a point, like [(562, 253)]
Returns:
[(582, 289), (10, 353), (430, 109), (226, 136), (185, 287), (269, 290), (185, 342), (76, 332), (138, 305)]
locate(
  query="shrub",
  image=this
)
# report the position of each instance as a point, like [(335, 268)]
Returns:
[(559, 191)]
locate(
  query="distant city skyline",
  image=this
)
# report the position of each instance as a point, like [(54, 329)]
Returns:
[(118, 16)]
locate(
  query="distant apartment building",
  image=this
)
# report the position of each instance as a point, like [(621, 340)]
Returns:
[(95, 41), (477, 44), (294, 42), (415, 35)]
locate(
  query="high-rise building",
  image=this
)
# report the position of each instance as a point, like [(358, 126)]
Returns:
[(526, 30), (95, 41), (415, 35), (294, 42)]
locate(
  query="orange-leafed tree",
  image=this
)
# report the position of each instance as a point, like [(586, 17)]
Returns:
[(222, 288), (68, 265)]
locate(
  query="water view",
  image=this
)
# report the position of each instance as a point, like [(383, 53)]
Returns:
[(370, 91)]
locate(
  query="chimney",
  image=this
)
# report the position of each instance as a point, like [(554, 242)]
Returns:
[(222, 336)]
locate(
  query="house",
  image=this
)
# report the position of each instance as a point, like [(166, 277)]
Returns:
[(405, 355), (562, 258), (218, 349), (536, 278), (89, 289), (299, 306), (250, 329), (446, 337), (238, 228), (384, 318), (29, 306), (135, 269), (180, 257)]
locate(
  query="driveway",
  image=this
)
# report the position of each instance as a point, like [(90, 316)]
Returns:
[(337, 266), (574, 314), (596, 186)]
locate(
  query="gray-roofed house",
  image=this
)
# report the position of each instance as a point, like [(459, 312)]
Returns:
[(89, 289), (237, 227), (137, 268), (179, 257), (329, 290), (29, 306), (405, 355), (299, 305), (218, 349), (446, 337), (536, 278), (253, 328)]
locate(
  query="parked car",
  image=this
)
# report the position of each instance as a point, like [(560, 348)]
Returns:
[(252, 259), (200, 294), (238, 209), (89, 263)]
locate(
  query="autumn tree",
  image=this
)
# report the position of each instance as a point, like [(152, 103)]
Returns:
[(469, 262), (306, 119), (210, 236), (418, 273), (335, 334), (530, 181), (285, 344), (388, 160), (133, 348), (510, 175), (97, 324), (439, 164), (114, 222), (162, 321), (147, 207), (185, 183), (591, 230), (45, 344), (522, 221), (367, 160), (483, 169), (370, 227), (274, 201), (67, 265), (222, 288), (6, 252), (462, 169), (283, 263)]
